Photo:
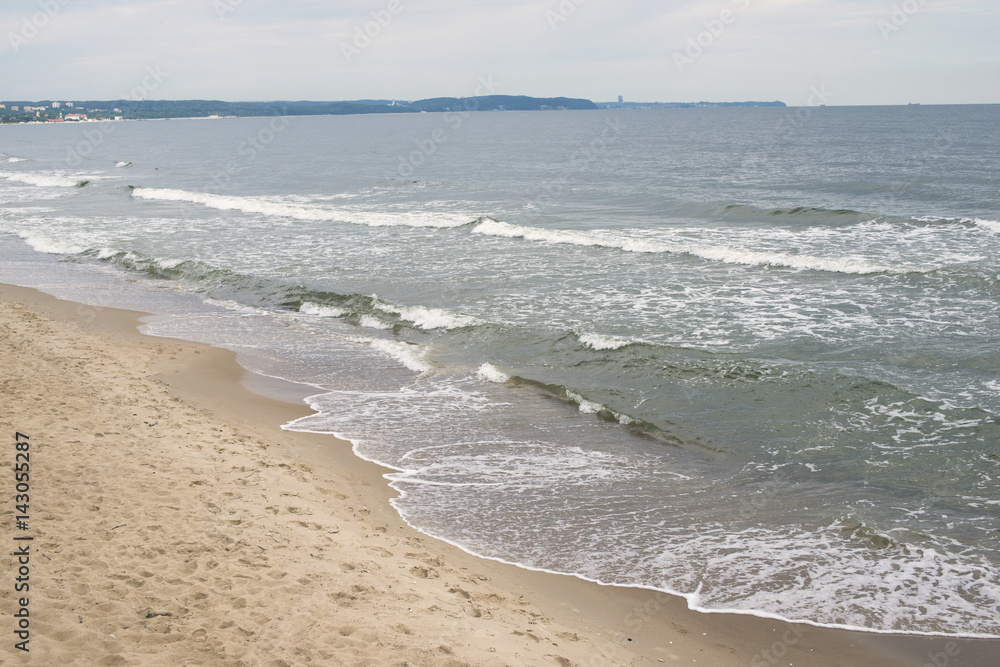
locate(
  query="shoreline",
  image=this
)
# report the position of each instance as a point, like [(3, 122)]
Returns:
[(478, 610)]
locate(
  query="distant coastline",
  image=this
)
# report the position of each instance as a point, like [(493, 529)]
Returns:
[(56, 111), (685, 105)]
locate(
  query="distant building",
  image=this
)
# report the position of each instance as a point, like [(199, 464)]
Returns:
[(14, 109), (621, 100), (3, 106), (56, 105)]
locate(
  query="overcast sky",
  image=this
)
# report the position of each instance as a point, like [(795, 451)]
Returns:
[(854, 51)]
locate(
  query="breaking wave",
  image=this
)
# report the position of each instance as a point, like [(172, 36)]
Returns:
[(723, 254), (296, 211), (745, 211), (992, 225), (491, 373), (310, 308), (427, 318), (45, 180), (599, 342)]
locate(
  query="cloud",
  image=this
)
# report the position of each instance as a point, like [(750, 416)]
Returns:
[(265, 49)]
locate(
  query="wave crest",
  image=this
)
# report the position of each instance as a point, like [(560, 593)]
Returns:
[(408, 354), (52, 246), (491, 373), (310, 308), (992, 225), (749, 212), (45, 180), (427, 318), (724, 254), (600, 342), (296, 211)]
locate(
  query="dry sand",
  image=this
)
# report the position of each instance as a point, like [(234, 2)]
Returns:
[(174, 523)]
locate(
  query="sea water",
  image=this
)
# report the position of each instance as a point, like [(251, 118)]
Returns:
[(749, 356)]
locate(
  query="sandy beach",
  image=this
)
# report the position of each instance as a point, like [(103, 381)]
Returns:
[(173, 522)]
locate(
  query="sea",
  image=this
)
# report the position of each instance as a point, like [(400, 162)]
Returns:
[(748, 356)]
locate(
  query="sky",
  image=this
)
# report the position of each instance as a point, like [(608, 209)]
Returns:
[(802, 52)]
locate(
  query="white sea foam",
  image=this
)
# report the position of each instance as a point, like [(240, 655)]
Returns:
[(310, 308), (52, 180), (127, 257), (11, 159), (241, 309), (153, 262), (587, 407), (123, 165), (428, 318), (802, 262), (948, 586), (428, 219), (373, 322), (408, 354), (51, 246), (592, 408), (285, 209), (169, 263), (599, 342), (991, 225), (25, 211), (491, 373), (724, 254)]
